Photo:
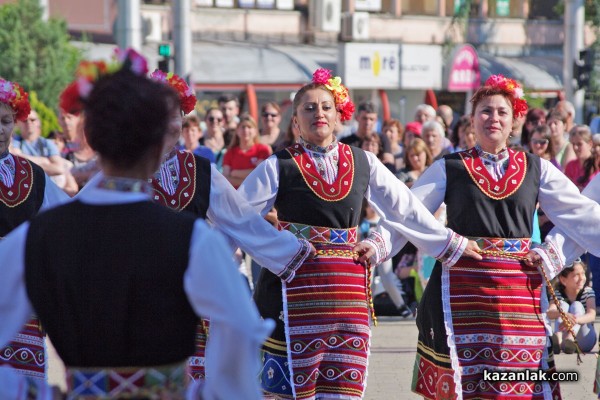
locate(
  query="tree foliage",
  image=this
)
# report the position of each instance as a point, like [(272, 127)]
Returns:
[(35, 53)]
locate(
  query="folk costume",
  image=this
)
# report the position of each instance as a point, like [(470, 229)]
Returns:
[(321, 343), (24, 191), (119, 333), (490, 199), (561, 248), (186, 182)]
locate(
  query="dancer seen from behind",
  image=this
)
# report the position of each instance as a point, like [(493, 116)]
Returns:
[(25, 190), (188, 182), (320, 346), (491, 193), (127, 305)]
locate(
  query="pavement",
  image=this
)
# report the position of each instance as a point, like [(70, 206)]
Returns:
[(392, 357), (391, 361)]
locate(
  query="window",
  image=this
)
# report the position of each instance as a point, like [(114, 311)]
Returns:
[(420, 7)]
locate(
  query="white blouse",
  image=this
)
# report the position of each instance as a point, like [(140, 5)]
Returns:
[(403, 216), (279, 252), (561, 246), (558, 197), (213, 288)]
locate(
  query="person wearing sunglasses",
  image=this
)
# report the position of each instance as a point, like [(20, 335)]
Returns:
[(213, 136), (541, 145), (270, 134)]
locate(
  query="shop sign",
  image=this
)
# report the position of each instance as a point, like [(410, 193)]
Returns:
[(370, 65), (464, 72), (420, 66)]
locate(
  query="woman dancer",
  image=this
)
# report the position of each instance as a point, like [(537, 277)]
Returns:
[(24, 191), (319, 348), (490, 193), (121, 311)]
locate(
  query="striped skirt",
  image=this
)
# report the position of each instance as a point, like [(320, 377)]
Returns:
[(482, 316), (321, 342)]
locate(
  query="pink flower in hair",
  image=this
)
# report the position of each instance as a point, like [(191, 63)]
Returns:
[(322, 76), (138, 62)]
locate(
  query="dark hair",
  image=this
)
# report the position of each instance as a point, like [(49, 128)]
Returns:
[(463, 122), (566, 271), (127, 114), (545, 131), (533, 115), (367, 107), (226, 98), (189, 121)]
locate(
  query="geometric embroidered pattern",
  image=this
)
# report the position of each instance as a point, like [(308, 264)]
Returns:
[(21, 188), (152, 382), (336, 191), (25, 353), (186, 188), (507, 185), (506, 245), (320, 234)]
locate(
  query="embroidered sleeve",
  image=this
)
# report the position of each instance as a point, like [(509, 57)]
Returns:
[(552, 262), (289, 271), (375, 239), (455, 246)]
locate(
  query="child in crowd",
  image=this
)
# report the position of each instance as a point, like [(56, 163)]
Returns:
[(579, 302)]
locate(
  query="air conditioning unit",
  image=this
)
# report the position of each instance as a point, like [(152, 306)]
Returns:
[(325, 15), (152, 27), (355, 26)]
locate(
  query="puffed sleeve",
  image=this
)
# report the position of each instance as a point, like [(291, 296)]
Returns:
[(405, 218), (278, 251), (215, 289), (576, 218)]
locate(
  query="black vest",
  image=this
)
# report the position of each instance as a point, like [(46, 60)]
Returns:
[(11, 217), (474, 214), (296, 202), (107, 283), (199, 204)]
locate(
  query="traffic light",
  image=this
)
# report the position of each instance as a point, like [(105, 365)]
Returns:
[(582, 70), (165, 50)]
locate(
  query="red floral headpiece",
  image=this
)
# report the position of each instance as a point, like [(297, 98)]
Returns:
[(343, 103), (88, 72), (512, 87), (12, 93), (186, 94)]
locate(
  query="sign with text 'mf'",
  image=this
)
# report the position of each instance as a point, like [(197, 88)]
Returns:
[(464, 71), (370, 65)]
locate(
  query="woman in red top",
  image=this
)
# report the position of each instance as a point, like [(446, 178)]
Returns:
[(244, 153), (581, 169)]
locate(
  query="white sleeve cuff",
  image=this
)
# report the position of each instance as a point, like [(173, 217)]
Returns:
[(375, 239), (289, 272), (551, 260), (454, 249)]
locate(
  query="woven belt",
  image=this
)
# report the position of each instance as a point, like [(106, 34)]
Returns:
[(320, 234), (513, 246), (109, 383)]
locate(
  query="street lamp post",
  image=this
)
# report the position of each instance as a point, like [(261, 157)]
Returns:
[(182, 38), (573, 25)]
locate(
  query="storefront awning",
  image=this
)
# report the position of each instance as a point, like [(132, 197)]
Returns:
[(234, 62), (537, 73)]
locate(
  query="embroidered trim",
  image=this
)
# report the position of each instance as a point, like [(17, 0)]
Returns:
[(375, 239), (552, 262), (507, 185), (318, 149), (449, 327), (452, 247), (336, 191), (518, 245), (289, 271), (185, 190), (124, 185), (320, 234), (22, 185)]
